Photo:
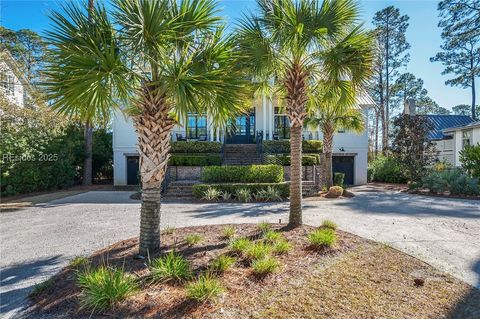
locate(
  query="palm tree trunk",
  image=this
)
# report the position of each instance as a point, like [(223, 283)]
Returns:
[(295, 176), (88, 129), (327, 150), (153, 128)]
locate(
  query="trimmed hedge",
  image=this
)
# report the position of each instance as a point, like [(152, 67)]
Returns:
[(195, 160), (283, 159), (243, 174), (387, 170), (200, 189), (283, 147), (195, 147)]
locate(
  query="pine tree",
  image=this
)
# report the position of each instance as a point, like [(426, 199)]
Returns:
[(460, 23)]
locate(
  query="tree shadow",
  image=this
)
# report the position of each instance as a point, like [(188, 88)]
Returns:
[(12, 294), (469, 306)]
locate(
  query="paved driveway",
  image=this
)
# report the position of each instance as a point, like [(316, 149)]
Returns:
[(38, 241)]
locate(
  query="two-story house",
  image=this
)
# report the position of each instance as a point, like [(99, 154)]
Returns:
[(264, 120)]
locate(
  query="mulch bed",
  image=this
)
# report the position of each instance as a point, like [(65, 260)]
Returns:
[(357, 278)]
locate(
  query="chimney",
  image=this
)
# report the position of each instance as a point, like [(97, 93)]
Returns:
[(410, 107)]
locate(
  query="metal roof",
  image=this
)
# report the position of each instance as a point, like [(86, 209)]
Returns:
[(469, 125), (363, 98), (442, 122)]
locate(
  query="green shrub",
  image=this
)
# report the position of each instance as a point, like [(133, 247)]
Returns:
[(204, 288), (79, 261), (325, 237), (264, 227), (454, 180), (387, 170), (338, 179), (282, 189), (103, 287), (243, 195), (195, 160), (171, 267), (193, 239), (283, 146), (268, 194), (221, 264), (226, 196), (239, 245), (284, 159), (243, 174), (211, 194), (470, 159), (228, 232), (272, 236), (257, 250), (195, 147), (281, 247), (329, 224), (265, 266)]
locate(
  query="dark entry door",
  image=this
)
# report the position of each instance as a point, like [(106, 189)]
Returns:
[(243, 130), (345, 165), (132, 170)]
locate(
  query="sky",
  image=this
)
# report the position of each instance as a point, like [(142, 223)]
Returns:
[(422, 34)]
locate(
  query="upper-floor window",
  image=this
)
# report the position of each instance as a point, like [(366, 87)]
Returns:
[(196, 126), (466, 138), (7, 82)]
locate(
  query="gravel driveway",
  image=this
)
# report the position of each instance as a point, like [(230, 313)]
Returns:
[(38, 241)]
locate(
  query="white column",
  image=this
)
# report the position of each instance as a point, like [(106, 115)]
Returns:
[(271, 116), (218, 134), (264, 116)]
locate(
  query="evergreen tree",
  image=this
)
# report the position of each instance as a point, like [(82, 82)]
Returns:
[(462, 109), (460, 21), (392, 54)]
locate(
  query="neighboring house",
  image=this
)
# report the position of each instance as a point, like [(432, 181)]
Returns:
[(265, 118), (12, 83), (450, 133)]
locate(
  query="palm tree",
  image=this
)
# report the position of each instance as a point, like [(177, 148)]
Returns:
[(330, 115), (296, 43), (167, 58)]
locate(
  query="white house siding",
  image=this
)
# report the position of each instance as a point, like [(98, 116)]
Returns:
[(451, 148), (446, 150), (11, 86), (125, 140)]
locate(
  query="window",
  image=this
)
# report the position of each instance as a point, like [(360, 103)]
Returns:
[(196, 126), (281, 124), (466, 138), (7, 82)]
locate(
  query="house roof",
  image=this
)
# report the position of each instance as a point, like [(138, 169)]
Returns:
[(364, 99), (442, 122), (466, 126)]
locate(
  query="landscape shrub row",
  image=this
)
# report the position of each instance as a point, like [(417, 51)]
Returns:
[(386, 170), (243, 174), (284, 159), (195, 147), (283, 147), (283, 189), (195, 160), (453, 180)]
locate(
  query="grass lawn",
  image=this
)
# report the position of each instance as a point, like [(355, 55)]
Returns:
[(354, 278)]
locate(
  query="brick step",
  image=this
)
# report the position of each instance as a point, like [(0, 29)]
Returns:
[(180, 189)]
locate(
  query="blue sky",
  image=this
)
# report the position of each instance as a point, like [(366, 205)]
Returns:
[(423, 35)]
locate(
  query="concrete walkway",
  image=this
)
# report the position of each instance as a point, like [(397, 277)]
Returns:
[(38, 241)]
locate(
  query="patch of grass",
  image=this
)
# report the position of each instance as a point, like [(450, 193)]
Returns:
[(103, 287), (229, 232), (327, 223), (193, 239), (281, 247), (258, 250), (169, 230), (204, 288), (171, 267), (79, 261), (272, 236), (41, 287), (264, 227), (265, 266), (221, 264), (239, 245), (321, 238)]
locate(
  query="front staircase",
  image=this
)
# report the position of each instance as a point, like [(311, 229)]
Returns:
[(178, 189), (241, 154)]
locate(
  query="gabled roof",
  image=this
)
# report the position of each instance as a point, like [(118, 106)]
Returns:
[(364, 99), (466, 126), (442, 122)]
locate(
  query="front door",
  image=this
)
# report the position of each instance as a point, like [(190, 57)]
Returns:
[(243, 130), (132, 170)]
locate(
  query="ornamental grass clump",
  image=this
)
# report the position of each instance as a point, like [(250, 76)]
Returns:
[(239, 245), (78, 262), (193, 239), (329, 224), (205, 288), (229, 232), (211, 194), (272, 236), (322, 238), (221, 264), (103, 287), (264, 227), (243, 195), (257, 250), (281, 247), (170, 268), (265, 266)]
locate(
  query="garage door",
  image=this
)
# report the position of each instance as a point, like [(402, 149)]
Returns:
[(345, 165), (132, 170)]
